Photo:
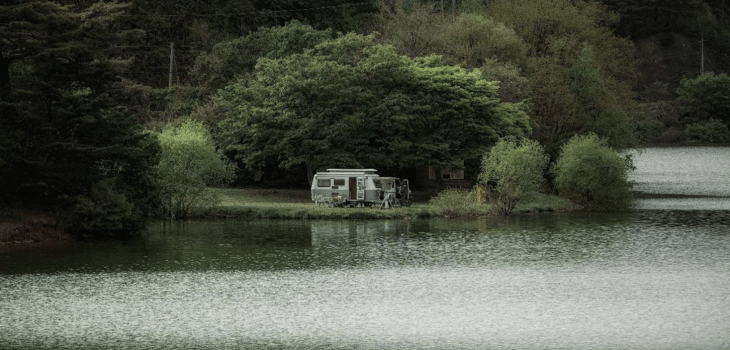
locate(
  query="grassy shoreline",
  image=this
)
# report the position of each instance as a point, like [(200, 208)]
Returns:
[(297, 204), (23, 228)]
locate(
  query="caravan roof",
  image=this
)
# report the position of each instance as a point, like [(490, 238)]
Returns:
[(349, 172)]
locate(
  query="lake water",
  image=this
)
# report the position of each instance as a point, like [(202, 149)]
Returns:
[(654, 278)]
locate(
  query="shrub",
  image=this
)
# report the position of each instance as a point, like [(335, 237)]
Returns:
[(456, 202), (189, 164), (511, 170), (102, 213), (593, 175), (711, 131)]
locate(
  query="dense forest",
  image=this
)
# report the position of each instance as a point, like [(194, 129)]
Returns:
[(280, 88)]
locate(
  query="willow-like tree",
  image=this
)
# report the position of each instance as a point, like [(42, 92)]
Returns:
[(353, 103)]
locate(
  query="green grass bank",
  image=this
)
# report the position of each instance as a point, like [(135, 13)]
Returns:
[(297, 204)]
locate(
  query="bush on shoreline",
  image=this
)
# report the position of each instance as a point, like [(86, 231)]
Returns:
[(593, 175), (512, 169), (457, 203), (189, 163)]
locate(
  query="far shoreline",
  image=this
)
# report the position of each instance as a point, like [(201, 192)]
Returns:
[(22, 229)]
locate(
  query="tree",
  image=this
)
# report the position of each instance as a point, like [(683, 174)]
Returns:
[(45, 33), (69, 142), (512, 169), (189, 164), (593, 175), (471, 39), (353, 103), (580, 73), (705, 97)]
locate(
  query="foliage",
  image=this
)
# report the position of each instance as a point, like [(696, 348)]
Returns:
[(705, 97), (571, 95), (232, 58), (412, 28), (195, 26), (43, 37), (660, 122), (70, 144), (457, 202), (103, 210), (709, 131), (512, 170), (189, 164), (593, 175), (353, 103), (227, 61), (560, 57), (513, 85), (471, 39), (697, 20), (580, 74), (467, 39)]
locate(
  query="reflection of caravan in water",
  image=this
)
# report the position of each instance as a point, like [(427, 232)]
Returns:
[(359, 187)]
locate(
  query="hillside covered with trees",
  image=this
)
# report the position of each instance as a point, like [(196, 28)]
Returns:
[(281, 88)]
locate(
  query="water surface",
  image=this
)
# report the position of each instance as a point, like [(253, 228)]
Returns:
[(655, 278)]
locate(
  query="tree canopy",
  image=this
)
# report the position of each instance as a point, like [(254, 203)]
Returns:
[(231, 58), (560, 57), (353, 103)]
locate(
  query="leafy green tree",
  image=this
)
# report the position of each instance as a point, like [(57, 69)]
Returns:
[(189, 165), (593, 175), (70, 144), (512, 169), (705, 97), (353, 103)]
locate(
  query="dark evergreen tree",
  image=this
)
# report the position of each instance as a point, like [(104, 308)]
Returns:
[(69, 145)]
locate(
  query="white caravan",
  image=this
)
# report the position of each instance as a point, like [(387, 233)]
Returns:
[(359, 188)]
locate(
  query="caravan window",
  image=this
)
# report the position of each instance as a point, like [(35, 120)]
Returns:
[(339, 182), (323, 182)]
